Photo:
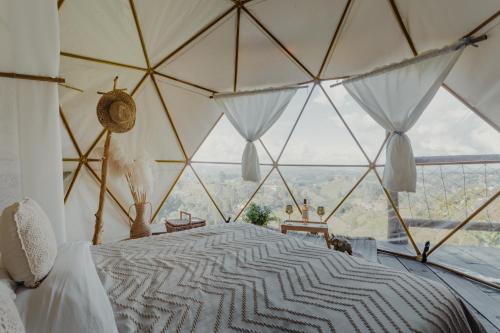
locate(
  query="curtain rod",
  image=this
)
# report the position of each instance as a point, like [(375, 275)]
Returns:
[(32, 77), (466, 41), (252, 92)]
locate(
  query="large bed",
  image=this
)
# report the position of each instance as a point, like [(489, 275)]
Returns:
[(243, 278)]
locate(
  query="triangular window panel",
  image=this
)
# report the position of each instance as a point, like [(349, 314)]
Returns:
[(166, 24), (80, 107), (321, 186), (193, 113), (225, 144), (369, 134), (446, 195), (275, 137), (368, 213), (189, 195), (209, 60), (152, 133), (448, 127), (101, 29), (273, 194), (475, 248), (226, 186), (286, 19), (321, 138), (80, 209), (261, 62)]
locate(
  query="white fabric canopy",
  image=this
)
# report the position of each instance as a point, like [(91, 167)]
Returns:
[(395, 99), (252, 114), (30, 140)]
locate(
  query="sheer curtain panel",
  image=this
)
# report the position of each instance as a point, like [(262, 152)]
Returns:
[(252, 114), (30, 139), (395, 98)]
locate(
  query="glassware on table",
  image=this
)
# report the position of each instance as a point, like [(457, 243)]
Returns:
[(320, 211), (289, 210), (305, 212)]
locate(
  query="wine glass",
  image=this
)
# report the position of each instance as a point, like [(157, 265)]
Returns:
[(289, 210), (320, 211)]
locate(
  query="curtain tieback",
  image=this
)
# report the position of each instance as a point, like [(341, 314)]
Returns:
[(398, 132)]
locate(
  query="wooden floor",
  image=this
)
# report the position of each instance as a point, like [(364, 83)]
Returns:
[(481, 300)]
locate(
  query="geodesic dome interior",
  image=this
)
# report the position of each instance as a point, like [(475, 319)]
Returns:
[(173, 55)]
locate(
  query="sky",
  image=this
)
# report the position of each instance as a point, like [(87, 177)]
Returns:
[(447, 127)]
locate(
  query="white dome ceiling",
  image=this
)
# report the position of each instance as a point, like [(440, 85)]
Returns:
[(173, 54)]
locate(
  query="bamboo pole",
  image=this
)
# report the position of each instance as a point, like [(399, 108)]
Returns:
[(254, 193), (69, 131), (208, 193), (348, 194), (169, 117), (237, 48), (295, 123), (398, 215), (104, 173), (187, 83), (195, 36), (345, 123), (165, 197), (32, 77), (334, 37), (289, 190), (101, 61), (279, 43), (469, 218), (73, 180)]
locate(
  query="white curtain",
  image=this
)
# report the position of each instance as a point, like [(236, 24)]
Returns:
[(395, 99), (30, 140), (252, 114)]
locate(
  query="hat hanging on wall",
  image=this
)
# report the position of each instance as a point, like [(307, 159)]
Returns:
[(116, 113)]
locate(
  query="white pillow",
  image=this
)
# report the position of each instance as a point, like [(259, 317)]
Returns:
[(27, 242), (70, 299), (9, 318)]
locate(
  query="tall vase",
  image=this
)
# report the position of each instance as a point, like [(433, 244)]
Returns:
[(139, 227)]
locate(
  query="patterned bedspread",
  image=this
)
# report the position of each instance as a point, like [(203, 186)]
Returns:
[(242, 278)]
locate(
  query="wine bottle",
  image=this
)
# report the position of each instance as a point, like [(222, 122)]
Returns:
[(305, 211)]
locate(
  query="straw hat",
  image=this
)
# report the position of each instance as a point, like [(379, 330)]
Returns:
[(116, 111)]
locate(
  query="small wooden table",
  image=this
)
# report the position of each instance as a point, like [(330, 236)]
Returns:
[(314, 227)]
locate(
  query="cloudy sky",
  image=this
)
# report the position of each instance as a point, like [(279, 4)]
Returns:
[(446, 127)]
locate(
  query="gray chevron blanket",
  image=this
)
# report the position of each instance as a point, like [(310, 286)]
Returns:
[(242, 278)]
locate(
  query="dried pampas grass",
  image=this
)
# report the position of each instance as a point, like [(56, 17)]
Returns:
[(140, 178), (118, 161), (139, 172)]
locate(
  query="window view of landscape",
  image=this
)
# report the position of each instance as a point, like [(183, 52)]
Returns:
[(316, 157)]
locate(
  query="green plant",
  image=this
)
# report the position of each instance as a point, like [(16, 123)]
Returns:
[(258, 215)]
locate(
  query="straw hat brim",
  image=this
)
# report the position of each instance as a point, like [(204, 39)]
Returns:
[(103, 114)]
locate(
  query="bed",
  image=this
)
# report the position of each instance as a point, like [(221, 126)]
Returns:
[(242, 278)]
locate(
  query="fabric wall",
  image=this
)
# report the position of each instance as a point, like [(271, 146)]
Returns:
[(30, 142)]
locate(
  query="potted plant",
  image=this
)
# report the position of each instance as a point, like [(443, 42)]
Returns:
[(258, 215)]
